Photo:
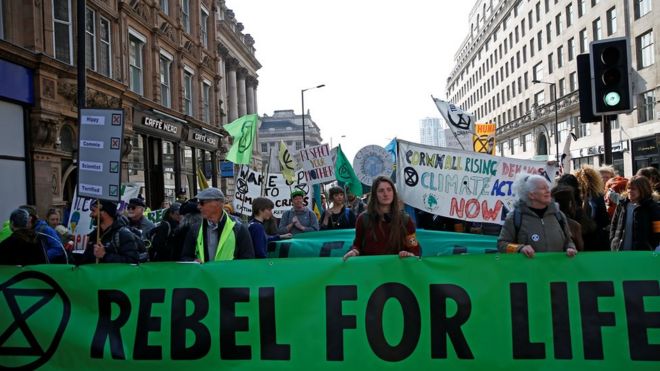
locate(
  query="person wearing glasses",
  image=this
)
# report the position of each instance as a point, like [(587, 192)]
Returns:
[(536, 224), (136, 217), (219, 236)]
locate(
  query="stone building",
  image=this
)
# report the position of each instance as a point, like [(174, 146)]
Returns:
[(186, 63), (511, 43)]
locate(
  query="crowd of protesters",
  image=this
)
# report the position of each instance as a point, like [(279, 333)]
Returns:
[(589, 210)]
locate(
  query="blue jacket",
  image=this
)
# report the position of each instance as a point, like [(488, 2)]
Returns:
[(50, 241)]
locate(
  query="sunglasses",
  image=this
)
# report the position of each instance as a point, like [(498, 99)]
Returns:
[(131, 207)]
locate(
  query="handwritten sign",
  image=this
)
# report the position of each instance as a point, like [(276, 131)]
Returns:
[(317, 164)]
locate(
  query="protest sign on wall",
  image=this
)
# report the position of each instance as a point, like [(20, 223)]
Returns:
[(317, 164), (249, 184), (462, 185)]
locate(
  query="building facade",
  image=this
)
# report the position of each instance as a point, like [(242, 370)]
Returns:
[(179, 69), (285, 125), (431, 132), (513, 43)]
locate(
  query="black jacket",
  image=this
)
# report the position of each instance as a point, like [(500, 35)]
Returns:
[(646, 216), (22, 248), (125, 252), (243, 249)]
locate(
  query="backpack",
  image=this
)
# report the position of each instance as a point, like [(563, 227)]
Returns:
[(517, 221), (158, 247), (143, 254)]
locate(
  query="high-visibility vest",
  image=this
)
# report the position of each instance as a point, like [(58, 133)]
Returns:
[(226, 242)]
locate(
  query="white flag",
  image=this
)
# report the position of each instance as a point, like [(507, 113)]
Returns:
[(565, 162), (458, 120)]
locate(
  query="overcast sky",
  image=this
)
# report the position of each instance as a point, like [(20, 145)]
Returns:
[(380, 60)]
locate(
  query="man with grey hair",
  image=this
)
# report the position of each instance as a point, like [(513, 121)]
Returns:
[(219, 236), (22, 247), (536, 224)]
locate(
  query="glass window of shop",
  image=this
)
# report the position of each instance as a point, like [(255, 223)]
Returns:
[(205, 164), (187, 171), (578, 162), (169, 172), (136, 163)]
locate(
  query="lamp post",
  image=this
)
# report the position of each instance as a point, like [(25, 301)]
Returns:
[(553, 93), (331, 147), (302, 99)]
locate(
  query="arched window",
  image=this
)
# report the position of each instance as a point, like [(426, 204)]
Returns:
[(542, 145), (67, 139)]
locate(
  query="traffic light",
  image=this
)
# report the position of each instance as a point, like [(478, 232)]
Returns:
[(610, 84)]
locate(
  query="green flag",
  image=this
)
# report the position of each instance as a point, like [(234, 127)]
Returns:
[(345, 173), (243, 130)]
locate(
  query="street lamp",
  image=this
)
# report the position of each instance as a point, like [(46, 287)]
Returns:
[(553, 93), (302, 99), (343, 136)]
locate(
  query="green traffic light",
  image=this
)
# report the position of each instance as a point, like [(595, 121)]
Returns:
[(612, 98)]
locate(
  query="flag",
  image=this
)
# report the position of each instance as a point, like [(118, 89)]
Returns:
[(243, 131), (288, 164), (201, 179), (345, 173), (391, 149), (565, 163), (316, 201), (459, 121)]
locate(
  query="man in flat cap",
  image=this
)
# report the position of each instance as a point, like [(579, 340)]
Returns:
[(136, 217), (117, 245), (299, 218), (219, 236)]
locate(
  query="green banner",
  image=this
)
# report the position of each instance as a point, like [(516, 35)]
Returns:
[(597, 311), (337, 242)]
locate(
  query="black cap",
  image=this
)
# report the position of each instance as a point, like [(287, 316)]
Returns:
[(189, 207), (137, 202), (110, 207)]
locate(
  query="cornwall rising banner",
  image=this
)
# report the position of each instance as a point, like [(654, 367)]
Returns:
[(597, 311), (463, 185)]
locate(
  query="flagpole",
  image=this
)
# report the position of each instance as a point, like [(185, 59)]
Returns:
[(452, 131), (267, 171)]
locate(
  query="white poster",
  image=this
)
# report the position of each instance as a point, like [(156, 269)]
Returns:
[(318, 166), (462, 185), (276, 188)]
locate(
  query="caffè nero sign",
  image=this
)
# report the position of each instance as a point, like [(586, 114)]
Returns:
[(161, 125)]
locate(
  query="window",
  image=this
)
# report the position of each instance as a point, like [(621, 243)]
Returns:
[(573, 81), (539, 40), (569, 15), (646, 106), (204, 28), (185, 15), (187, 92), (558, 25), (594, 2), (531, 47), (538, 11), (562, 87), (584, 41), (2, 24), (539, 98), (645, 55), (560, 56), (642, 8), (550, 67), (136, 44), (548, 32), (583, 129), (571, 48), (597, 29), (62, 31), (611, 21), (206, 101), (97, 43), (166, 79), (538, 71), (165, 6), (527, 142), (582, 8)]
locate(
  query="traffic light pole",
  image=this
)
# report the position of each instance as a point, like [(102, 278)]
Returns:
[(607, 138)]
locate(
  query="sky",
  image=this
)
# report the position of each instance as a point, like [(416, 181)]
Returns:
[(381, 60)]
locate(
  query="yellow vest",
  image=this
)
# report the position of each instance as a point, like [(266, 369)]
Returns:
[(226, 242)]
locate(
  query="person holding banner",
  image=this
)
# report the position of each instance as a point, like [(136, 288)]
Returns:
[(219, 236), (262, 210), (384, 228), (338, 216), (299, 218), (536, 224)]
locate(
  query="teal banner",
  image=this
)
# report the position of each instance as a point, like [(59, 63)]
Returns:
[(338, 242)]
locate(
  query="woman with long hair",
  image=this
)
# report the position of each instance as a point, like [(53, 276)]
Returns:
[(593, 206), (384, 228), (636, 222)]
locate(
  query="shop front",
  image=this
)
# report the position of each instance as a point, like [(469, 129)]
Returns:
[(201, 158), (588, 155), (645, 152)]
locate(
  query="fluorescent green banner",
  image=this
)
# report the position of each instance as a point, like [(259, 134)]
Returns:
[(598, 311), (337, 243)]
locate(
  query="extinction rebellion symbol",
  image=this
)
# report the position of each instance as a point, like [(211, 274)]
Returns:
[(35, 312)]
